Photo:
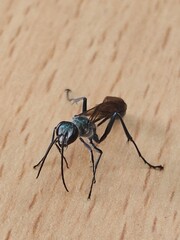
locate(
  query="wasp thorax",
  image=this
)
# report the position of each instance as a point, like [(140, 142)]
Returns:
[(86, 127)]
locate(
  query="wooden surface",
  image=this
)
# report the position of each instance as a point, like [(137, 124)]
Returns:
[(97, 48)]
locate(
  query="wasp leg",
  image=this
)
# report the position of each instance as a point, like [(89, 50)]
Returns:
[(93, 166), (129, 137), (100, 154), (75, 100)]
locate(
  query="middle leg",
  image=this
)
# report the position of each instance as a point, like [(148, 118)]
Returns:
[(93, 166)]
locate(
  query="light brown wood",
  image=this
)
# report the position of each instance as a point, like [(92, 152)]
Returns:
[(129, 49)]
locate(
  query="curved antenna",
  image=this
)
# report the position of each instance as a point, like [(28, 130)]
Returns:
[(62, 163), (42, 161), (59, 149)]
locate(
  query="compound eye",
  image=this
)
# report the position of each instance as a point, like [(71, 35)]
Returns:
[(72, 135), (67, 132)]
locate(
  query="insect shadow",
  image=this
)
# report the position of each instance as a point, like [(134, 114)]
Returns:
[(83, 126)]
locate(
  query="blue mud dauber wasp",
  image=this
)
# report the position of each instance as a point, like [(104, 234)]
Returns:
[(83, 126)]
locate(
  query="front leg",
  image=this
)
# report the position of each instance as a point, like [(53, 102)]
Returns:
[(75, 100)]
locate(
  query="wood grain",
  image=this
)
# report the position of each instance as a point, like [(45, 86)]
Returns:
[(128, 49)]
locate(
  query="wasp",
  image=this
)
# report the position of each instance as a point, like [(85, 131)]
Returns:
[(83, 127)]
